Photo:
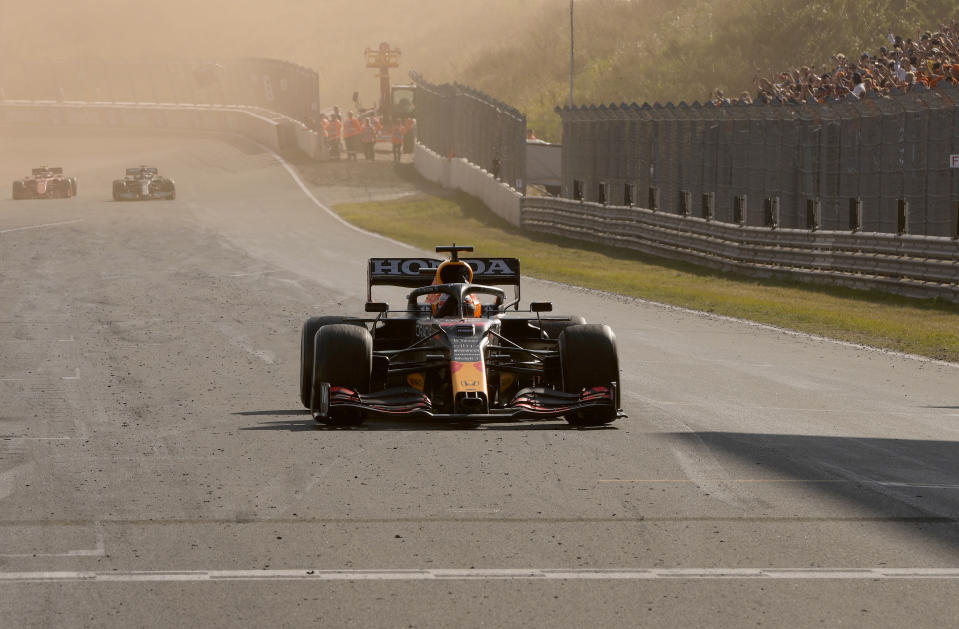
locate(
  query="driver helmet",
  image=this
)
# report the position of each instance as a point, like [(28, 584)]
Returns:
[(454, 271)]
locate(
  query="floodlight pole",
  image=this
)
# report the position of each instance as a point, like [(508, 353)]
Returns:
[(570, 53)]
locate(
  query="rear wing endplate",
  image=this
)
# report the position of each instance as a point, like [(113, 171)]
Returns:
[(408, 272)]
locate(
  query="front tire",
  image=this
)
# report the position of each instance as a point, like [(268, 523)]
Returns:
[(307, 336), (343, 357), (18, 191), (589, 359)]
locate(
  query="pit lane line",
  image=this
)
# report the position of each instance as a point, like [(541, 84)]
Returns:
[(19, 229), (488, 574)]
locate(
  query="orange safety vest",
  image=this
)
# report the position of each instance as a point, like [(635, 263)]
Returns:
[(397, 133), (351, 128), (336, 128)]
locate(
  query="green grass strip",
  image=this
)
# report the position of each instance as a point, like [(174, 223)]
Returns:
[(925, 327)]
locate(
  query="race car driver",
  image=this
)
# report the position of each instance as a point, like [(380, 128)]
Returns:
[(453, 272)]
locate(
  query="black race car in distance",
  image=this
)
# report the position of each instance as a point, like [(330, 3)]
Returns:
[(143, 183), (45, 183), (459, 350)]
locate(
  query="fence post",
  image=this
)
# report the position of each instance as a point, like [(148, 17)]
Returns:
[(813, 214), (855, 214), (709, 205), (628, 195), (955, 222), (654, 198), (772, 212), (685, 200), (739, 209), (902, 217), (602, 197)]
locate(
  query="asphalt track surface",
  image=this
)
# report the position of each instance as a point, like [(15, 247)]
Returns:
[(156, 468)]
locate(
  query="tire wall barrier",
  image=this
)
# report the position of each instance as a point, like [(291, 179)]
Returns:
[(915, 266), (460, 174)]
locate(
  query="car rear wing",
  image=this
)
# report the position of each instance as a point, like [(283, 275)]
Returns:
[(145, 169), (57, 170), (415, 272)]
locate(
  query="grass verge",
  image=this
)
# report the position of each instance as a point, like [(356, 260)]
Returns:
[(928, 328)]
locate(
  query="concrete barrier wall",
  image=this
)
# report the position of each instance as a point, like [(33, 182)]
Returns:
[(273, 130), (459, 174)]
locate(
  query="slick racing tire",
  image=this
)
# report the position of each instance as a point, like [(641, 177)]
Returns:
[(18, 191), (589, 359), (73, 186), (343, 356), (554, 328), (307, 336), (117, 190)]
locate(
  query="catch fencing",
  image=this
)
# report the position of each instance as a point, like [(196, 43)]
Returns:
[(279, 86), (875, 165), (458, 121)]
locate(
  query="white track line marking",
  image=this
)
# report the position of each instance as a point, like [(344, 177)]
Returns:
[(20, 229), (309, 193), (765, 326), (614, 574), (75, 376)]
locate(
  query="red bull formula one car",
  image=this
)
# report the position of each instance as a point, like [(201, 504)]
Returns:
[(45, 183), (459, 350)]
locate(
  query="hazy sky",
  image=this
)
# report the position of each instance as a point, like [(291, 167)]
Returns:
[(436, 36)]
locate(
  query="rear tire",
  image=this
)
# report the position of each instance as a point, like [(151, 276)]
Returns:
[(343, 357), (18, 190), (73, 186), (589, 359), (554, 328)]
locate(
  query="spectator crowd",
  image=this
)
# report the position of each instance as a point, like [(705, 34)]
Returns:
[(929, 60)]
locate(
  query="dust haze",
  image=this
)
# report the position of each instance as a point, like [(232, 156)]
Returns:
[(435, 36)]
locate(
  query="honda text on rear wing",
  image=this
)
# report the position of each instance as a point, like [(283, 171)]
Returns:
[(416, 272)]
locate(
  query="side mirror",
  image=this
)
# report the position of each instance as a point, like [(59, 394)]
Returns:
[(541, 306), (377, 306)]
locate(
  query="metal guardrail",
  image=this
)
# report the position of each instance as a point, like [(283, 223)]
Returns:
[(917, 266)]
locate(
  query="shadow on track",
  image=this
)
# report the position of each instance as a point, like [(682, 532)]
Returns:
[(909, 483), (305, 422)]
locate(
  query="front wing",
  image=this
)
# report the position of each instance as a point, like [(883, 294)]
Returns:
[(528, 404), (129, 195)]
